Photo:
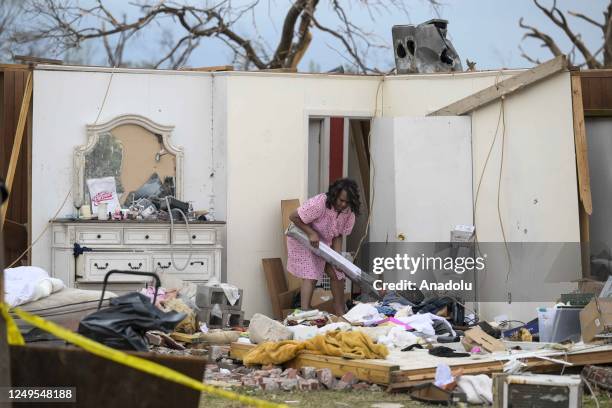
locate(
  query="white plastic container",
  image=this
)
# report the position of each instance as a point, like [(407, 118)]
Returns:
[(556, 325)]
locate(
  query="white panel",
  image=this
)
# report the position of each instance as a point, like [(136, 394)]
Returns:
[(382, 173), (599, 134), (433, 176), (314, 155)]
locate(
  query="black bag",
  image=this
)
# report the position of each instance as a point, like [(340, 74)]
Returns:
[(124, 323)]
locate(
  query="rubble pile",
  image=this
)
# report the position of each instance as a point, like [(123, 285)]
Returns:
[(274, 378)]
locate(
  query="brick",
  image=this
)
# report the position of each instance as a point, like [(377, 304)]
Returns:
[(271, 384), (205, 316), (232, 318), (290, 373), (270, 367), (361, 386), (349, 378), (218, 352), (341, 386), (207, 296), (325, 377), (309, 373), (308, 385), (249, 382), (289, 384)]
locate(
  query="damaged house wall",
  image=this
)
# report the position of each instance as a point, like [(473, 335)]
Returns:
[(66, 99), (260, 149), (268, 148), (538, 200)]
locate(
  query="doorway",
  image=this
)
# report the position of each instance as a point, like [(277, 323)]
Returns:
[(338, 147)]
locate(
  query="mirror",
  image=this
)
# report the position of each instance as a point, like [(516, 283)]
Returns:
[(136, 152)]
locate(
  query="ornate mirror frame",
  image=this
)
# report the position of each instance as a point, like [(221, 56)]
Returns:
[(93, 133)]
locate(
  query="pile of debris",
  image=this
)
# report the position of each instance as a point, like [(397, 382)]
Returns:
[(274, 378)]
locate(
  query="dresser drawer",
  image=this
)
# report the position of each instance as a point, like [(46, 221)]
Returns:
[(199, 236), (102, 236), (145, 236), (97, 264), (201, 266)]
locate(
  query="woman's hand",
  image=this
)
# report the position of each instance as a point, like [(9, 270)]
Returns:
[(329, 271), (314, 239)]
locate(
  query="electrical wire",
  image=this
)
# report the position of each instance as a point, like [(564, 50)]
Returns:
[(172, 234), (501, 120), (41, 233)]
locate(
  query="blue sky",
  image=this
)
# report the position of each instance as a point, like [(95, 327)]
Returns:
[(485, 31)]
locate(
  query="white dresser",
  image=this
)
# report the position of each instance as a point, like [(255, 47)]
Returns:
[(84, 251)]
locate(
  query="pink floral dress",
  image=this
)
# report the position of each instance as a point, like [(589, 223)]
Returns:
[(328, 223)]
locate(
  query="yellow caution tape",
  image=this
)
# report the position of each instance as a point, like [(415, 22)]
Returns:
[(121, 357), (13, 334)]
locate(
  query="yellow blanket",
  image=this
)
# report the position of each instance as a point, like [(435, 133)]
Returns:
[(339, 344)]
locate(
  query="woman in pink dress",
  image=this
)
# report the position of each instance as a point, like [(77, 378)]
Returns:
[(326, 217)]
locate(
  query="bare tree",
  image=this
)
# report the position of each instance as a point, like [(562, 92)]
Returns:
[(591, 58), (64, 25)]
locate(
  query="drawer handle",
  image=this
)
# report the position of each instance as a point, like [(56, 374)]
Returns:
[(196, 262), (194, 236), (101, 268), (135, 267), (146, 237), (99, 236), (164, 267)]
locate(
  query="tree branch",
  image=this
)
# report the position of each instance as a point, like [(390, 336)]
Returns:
[(557, 17)]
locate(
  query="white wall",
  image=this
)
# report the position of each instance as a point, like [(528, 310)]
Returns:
[(267, 143), (267, 156), (65, 101)]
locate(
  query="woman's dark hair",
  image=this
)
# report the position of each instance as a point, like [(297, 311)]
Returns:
[(352, 191)]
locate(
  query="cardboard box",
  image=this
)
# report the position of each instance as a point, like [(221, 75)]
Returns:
[(477, 337), (596, 318)]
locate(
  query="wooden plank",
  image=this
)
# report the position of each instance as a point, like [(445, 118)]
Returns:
[(402, 379), (37, 60), (580, 140), (23, 115), (598, 112), (585, 241), (374, 371), (287, 207), (13, 67), (217, 68), (503, 88), (281, 70), (595, 73), (362, 158)]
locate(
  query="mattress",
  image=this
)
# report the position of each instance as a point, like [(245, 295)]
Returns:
[(66, 307)]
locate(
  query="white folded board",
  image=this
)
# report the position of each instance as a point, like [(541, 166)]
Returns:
[(352, 271)]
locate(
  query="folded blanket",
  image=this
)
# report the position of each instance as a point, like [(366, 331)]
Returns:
[(26, 284), (354, 345)]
